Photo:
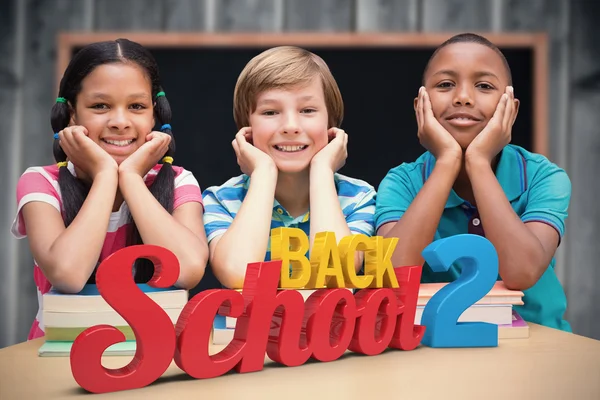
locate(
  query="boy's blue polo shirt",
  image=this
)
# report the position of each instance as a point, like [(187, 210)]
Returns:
[(537, 189)]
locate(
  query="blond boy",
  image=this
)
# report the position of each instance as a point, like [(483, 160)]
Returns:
[(288, 108)]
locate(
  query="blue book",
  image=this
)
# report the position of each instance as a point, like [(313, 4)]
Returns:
[(92, 290), (89, 299), (219, 322)]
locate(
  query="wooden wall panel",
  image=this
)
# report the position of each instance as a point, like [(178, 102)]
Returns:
[(185, 15), (387, 15), (584, 164), (9, 85), (44, 18), (244, 16), (456, 15), (130, 15), (319, 15), (552, 17)]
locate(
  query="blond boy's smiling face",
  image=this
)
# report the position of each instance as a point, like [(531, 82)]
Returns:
[(465, 82), (290, 125)]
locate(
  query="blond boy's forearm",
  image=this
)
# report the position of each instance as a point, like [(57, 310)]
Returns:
[(247, 238)]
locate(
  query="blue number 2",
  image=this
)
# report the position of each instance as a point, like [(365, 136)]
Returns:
[(479, 262)]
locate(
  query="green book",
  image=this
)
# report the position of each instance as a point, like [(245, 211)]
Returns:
[(63, 349), (54, 334)]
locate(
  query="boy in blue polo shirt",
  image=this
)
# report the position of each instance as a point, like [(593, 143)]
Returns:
[(471, 180), (287, 106)]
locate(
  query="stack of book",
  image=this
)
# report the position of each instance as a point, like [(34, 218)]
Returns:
[(65, 316), (496, 307)]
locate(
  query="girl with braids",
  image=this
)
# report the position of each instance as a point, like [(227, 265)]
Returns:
[(114, 184)]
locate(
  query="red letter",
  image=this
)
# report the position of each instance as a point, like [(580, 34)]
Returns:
[(287, 339), (193, 334), (324, 312), (407, 335), (375, 326), (153, 329), (261, 299)]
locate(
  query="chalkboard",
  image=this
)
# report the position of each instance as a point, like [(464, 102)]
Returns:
[(378, 84), (378, 76)]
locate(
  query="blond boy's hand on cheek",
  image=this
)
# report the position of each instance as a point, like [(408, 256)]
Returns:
[(249, 158), (333, 156), (498, 131), (147, 155), (431, 133), (84, 153)]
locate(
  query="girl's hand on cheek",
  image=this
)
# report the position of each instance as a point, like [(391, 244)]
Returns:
[(84, 153), (147, 155)]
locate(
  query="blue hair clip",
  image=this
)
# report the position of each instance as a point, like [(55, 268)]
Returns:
[(56, 136), (165, 126)]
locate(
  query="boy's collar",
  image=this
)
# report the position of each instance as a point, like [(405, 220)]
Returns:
[(510, 172), (278, 208)]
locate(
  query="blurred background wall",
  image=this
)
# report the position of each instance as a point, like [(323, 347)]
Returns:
[(28, 49)]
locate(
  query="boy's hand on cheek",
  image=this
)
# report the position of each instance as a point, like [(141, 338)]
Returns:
[(333, 155), (250, 158), (84, 153), (497, 133), (147, 155), (431, 133)]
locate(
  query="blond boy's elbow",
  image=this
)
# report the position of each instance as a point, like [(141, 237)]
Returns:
[(234, 282), (229, 278)]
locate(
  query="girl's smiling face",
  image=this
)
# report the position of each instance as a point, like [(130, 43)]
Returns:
[(115, 106)]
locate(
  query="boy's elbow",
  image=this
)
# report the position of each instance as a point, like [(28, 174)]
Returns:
[(222, 266), (525, 278), (517, 284), (516, 268), (227, 277), (232, 281)]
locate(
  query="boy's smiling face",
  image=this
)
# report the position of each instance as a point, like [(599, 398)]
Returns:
[(465, 82), (290, 125)]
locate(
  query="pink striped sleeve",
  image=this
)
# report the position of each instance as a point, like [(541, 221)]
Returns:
[(187, 188), (36, 184)]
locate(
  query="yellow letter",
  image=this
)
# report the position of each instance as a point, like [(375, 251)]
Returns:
[(348, 246), (325, 261), (378, 263), (290, 246)]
